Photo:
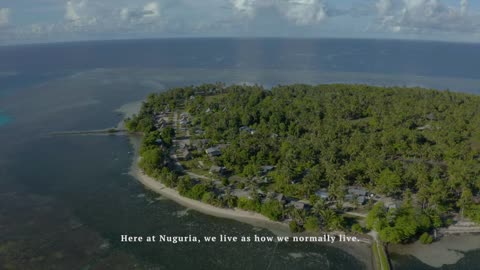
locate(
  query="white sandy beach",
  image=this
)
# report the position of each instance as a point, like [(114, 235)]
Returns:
[(251, 218)]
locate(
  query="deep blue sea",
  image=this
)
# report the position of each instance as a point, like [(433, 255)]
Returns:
[(65, 200), (419, 58)]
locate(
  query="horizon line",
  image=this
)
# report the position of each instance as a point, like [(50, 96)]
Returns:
[(59, 42)]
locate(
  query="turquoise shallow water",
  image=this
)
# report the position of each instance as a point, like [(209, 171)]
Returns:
[(4, 119)]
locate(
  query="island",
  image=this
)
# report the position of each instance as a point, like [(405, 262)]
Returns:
[(399, 164)]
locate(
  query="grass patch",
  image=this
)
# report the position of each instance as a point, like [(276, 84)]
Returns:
[(382, 262), (376, 260)]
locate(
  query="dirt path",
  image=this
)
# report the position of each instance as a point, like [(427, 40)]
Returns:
[(379, 250), (356, 214)]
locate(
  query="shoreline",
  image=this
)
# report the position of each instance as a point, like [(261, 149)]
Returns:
[(361, 251), (448, 250), (251, 218)]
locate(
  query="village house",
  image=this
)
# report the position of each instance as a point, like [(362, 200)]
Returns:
[(266, 169), (247, 130), (298, 205), (261, 194), (323, 194), (184, 119), (184, 122), (160, 115), (199, 131), (357, 191), (199, 144), (361, 200), (262, 180), (217, 170), (160, 122), (392, 205), (185, 154), (213, 152), (280, 198)]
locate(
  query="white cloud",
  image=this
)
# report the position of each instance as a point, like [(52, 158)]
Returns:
[(149, 11), (4, 16), (464, 7), (71, 10), (85, 19), (245, 7), (79, 14), (383, 6), (305, 12), (300, 12), (422, 16), (124, 13)]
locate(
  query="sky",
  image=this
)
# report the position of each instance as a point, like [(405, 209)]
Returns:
[(38, 21)]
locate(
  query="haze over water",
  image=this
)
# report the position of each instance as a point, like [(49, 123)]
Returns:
[(66, 200)]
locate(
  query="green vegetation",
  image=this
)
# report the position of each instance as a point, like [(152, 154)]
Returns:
[(473, 212), (312, 224), (249, 204), (294, 227), (357, 228), (272, 209), (426, 238), (398, 225), (417, 144), (381, 257)]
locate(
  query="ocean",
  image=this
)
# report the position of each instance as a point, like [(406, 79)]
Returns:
[(4, 119), (65, 200)]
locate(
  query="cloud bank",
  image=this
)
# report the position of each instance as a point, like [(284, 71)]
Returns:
[(425, 16), (300, 12), (4, 16), (104, 19)]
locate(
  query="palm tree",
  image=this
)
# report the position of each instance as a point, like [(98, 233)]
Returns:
[(327, 215), (318, 207)]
